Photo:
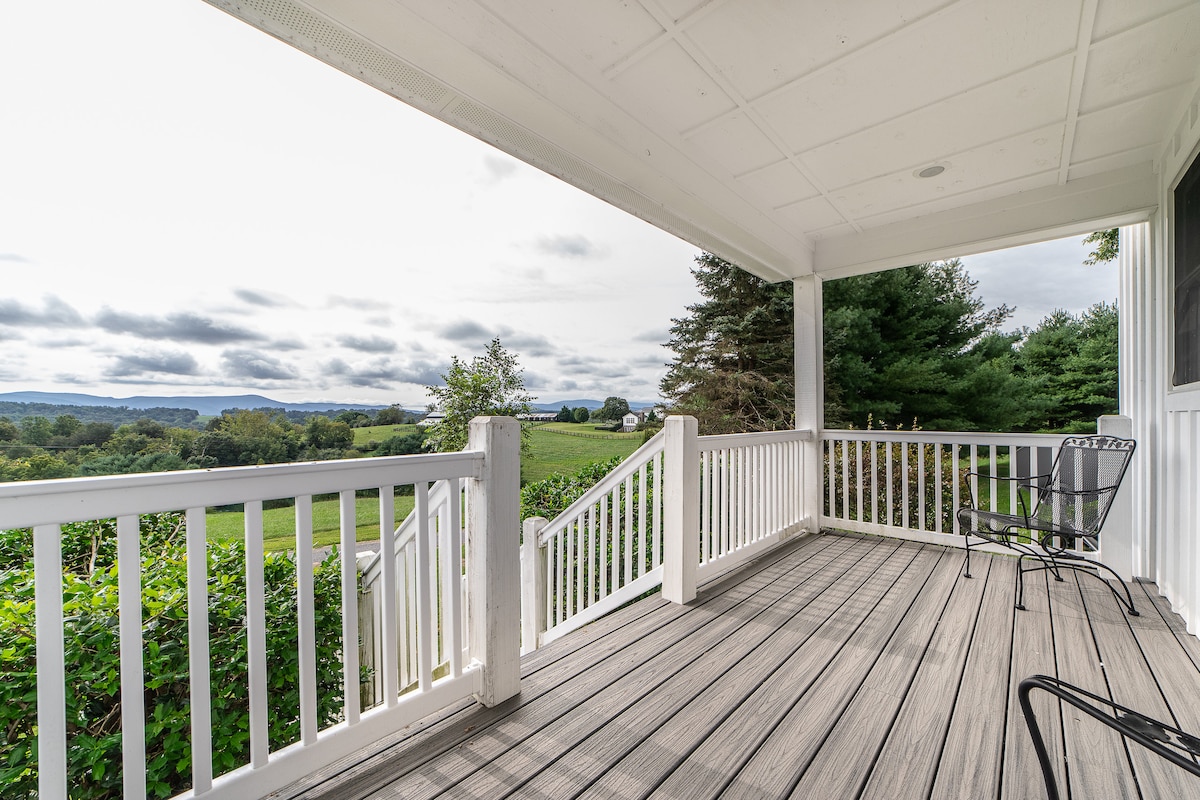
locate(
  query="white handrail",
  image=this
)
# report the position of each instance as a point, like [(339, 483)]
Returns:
[(607, 547), (46, 506), (632, 463), (909, 484)]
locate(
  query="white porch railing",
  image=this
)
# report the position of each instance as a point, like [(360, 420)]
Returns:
[(710, 502), (390, 630), (481, 658), (909, 484)]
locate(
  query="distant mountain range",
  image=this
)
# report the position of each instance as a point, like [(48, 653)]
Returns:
[(215, 404), (205, 406)]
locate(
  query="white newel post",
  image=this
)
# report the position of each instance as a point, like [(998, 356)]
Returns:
[(1117, 540), (681, 509), (493, 558), (810, 391), (533, 584)]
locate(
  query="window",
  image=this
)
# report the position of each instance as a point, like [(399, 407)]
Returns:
[(1187, 277)]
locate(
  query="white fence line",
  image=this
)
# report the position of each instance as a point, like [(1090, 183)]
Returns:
[(607, 548), (436, 611), (909, 484)]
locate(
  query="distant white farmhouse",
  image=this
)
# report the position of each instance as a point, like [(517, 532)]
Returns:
[(432, 418), (630, 421)]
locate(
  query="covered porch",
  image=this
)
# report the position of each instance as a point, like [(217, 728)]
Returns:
[(804, 142), (838, 665)]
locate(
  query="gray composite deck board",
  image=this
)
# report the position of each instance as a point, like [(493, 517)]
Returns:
[(838, 665)]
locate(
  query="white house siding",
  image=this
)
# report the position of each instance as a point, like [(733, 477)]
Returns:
[(1166, 419)]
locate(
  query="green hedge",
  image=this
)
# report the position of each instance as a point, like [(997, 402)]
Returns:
[(93, 663)]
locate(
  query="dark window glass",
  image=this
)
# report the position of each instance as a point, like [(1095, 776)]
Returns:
[(1187, 277)]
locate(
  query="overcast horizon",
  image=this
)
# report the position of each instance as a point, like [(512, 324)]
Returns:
[(191, 207)]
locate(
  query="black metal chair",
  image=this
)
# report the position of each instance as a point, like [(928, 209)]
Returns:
[(1060, 513), (1178, 747)]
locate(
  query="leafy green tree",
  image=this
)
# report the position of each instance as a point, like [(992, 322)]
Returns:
[(917, 344), (354, 418), (733, 367), (322, 433), (36, 430), (488, 385), (9, 432), (581, 415), (564, 415), (1107, 244), (1071, 362), (613, 409), (392, 415), (405, 445), (66, 425), (93, 433)]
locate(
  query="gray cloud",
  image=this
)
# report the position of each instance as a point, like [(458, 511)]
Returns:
[(367, 344), (180, 327), (383, 373), (260, 298), (529, 344), (466, 331), (54, 314), (358, 303), (288, 344), (258, 366), (140, 364), (570, 246), (660, 336), (498, 168), (14, 258), (470, 332)]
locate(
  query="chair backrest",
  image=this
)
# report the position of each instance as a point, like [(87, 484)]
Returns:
[(1083, 483)]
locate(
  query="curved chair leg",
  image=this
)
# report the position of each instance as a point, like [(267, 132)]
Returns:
[(1128, 601), (1085, 566), (967, 547)]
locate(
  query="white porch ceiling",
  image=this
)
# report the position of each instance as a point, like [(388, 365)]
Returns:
[(785, 136)]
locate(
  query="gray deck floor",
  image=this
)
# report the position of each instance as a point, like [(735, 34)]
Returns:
[(838, 666)]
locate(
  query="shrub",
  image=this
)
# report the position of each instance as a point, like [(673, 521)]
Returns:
[(93, 664), (550, 497)]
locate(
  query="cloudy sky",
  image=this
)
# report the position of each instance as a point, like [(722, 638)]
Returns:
[(190, 207)]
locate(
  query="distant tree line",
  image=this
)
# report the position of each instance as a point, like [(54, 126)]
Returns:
[(904, 347), (115, 415), (37, 447)]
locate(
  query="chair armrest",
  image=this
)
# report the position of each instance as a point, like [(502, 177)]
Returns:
[(1173, 744)]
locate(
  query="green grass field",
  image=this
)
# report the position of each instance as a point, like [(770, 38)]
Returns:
[(550, 453), (279, 524), (377, 433)]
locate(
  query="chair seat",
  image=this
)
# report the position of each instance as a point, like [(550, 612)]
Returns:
[(1006, 529)]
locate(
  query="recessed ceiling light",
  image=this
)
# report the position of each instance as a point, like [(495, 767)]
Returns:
[(930, 172)]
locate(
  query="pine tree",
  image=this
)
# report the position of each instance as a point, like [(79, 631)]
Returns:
[(733, 369)]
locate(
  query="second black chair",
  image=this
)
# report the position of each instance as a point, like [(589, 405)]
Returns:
[(1060, 513)]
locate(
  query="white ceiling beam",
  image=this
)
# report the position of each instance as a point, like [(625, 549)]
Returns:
[(1083, 45)]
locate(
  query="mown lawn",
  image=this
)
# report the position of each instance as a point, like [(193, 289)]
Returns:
[(553, 452), (377, 433), (585, 429), (279, 524)]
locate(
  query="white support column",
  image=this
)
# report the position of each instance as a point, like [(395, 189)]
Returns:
[(493, 558), (1144, 373), (1117, 540), (681, 509), (810, 391), (533, 584)]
